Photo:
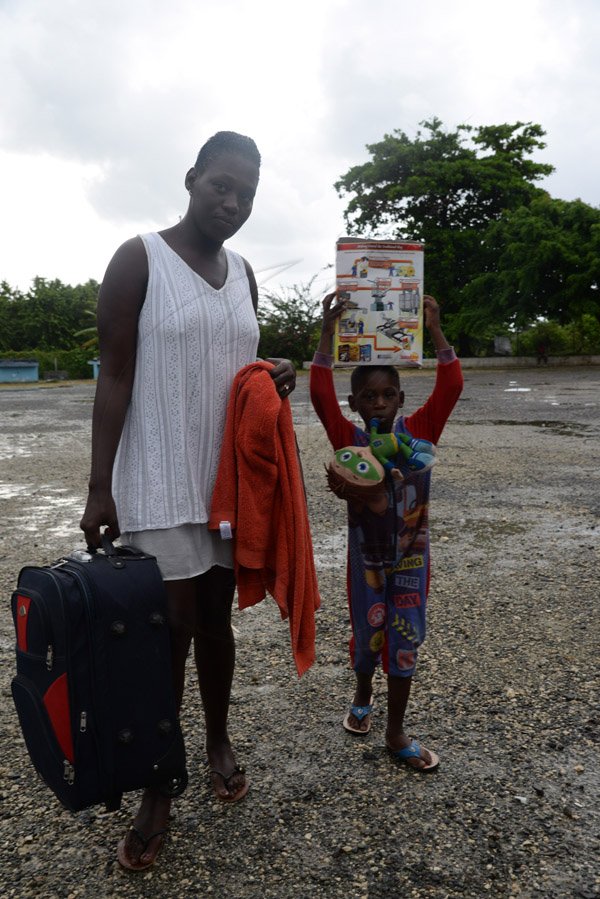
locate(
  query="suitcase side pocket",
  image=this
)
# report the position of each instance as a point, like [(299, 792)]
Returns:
[(52, 753), (33, 630)]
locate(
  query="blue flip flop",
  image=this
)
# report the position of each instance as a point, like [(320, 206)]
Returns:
[(360, 712), (413, 751)]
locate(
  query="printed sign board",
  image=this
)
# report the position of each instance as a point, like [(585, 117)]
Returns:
[(383, 284)]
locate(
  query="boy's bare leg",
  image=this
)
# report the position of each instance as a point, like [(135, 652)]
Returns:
[(153, 814), (214, 651), (362, 696), (396, 738)]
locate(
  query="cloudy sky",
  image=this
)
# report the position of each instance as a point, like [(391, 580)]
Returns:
[(104, 105)]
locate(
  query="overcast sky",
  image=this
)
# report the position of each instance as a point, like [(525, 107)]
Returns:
[(104, 105)]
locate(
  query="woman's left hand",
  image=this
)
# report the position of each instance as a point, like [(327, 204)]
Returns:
[(284, 376)]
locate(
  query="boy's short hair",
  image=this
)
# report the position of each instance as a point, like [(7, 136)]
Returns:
[(226, 142), (362, 373)]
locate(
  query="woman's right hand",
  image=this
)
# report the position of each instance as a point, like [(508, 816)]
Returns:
[(100, 511)]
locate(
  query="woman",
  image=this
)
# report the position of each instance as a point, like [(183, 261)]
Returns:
[(176, 321)]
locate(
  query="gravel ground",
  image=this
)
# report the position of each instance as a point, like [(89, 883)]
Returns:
[(506, 688)]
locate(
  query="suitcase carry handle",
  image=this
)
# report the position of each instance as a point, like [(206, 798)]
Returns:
[(114, 553), (106, 546)]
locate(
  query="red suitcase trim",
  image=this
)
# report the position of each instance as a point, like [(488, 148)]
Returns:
[(22, 617), (56, 702)]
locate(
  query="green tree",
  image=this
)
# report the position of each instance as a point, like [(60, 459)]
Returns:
[(445, 188), (8, 297), (289, 322), (540, 260), (48, 316), (90, 332)]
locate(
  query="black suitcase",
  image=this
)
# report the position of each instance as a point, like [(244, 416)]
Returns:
[(93, 688)]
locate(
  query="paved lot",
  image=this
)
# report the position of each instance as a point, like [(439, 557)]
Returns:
[(506, 689)]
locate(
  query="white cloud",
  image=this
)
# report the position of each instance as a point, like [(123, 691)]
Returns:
[(105, 105)]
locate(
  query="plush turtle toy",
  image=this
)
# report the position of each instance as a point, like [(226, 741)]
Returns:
[(419, 455), (355, 474)]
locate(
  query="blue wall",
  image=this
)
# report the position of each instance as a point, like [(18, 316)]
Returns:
[(18, 371)]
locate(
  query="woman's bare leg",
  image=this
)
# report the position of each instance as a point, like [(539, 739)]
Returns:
[(153, 814), (214, 652)]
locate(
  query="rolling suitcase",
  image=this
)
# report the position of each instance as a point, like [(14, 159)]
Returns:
[(93, 688)]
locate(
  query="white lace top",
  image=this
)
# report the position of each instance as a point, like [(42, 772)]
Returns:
[(192, 340)]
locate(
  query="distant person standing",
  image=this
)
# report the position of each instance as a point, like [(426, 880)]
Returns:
[(542, 353)]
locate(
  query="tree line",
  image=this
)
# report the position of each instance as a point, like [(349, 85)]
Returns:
[(46, 323), (502, 256)]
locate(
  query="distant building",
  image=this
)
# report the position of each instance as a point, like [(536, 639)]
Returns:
[(18, 370)]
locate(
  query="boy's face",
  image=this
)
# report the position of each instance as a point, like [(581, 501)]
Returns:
[(379, 397)]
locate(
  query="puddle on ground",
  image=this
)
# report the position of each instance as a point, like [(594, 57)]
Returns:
[(53, 512), (21, 446), (11, 491), (10, 448), (562, 428), (513, 387)]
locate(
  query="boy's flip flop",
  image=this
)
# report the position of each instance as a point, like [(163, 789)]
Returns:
[(359, 712), (413, 751)]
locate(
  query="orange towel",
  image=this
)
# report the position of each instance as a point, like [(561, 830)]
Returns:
[(260, 491)]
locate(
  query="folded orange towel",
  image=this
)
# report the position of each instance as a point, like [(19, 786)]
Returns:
[(260, 491)]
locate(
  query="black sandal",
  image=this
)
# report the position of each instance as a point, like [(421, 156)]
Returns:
[(233, 797), (125, 862)]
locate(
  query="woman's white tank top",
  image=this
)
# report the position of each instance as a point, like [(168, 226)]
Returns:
[(192, 340)]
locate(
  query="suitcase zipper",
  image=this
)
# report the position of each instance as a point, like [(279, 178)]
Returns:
[(45, 751), (69, 769), (89, 609), (39, 603)]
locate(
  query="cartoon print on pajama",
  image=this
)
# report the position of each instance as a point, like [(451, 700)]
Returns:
[(390, 605)]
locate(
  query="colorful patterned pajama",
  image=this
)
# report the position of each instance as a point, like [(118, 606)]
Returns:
[(388, 573)]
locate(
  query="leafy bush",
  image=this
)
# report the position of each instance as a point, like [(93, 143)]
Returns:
[(584, 335), (580, 337), (290, 323)]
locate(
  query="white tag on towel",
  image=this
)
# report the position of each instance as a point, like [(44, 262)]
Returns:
[(225, 530)]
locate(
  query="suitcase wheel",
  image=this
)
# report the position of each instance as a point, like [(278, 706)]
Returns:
[(174, 786)]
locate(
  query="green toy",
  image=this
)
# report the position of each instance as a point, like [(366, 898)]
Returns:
[(418, 454), (357, 473)]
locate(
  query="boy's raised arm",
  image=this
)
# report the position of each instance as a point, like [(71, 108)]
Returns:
[(331, 313), (429, 420), (322, 391), (433, 324)]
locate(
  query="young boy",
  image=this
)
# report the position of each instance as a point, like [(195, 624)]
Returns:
[(388, 553)]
